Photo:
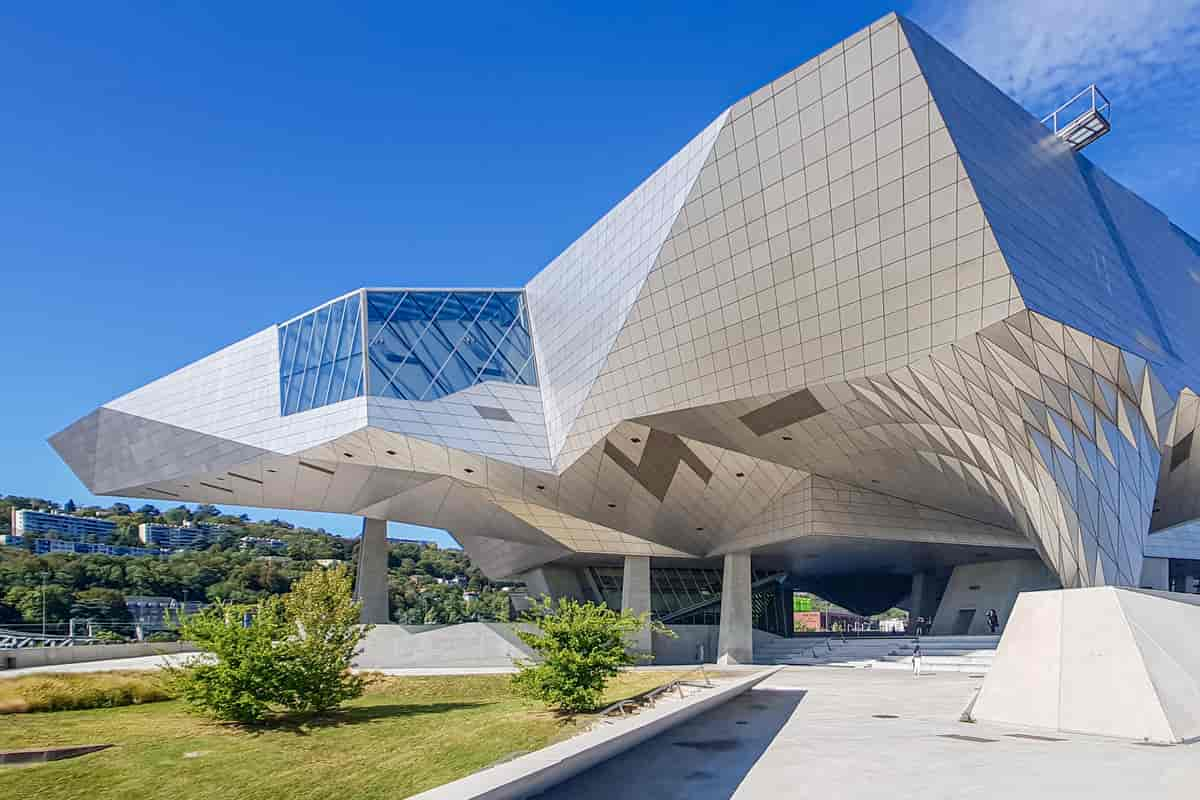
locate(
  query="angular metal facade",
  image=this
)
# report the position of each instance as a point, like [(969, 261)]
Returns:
[(873, 311)]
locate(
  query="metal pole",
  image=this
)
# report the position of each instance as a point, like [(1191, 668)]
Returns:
[(44, 576)]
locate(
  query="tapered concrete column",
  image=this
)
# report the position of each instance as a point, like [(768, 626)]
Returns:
[(635, 596), (370, 580), (735, 640)]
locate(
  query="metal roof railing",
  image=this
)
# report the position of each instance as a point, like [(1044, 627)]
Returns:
[(1081, 120)]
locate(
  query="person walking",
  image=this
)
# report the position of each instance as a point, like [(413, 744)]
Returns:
[(993, 620), (916, 659)]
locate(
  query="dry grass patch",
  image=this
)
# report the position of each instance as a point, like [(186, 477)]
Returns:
[(72, 692)]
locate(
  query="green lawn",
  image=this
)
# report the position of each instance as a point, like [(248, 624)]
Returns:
[(406, 735)]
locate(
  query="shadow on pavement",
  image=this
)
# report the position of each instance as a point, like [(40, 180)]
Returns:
[(707, 757)]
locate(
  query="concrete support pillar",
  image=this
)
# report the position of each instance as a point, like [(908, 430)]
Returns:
[(735, 640), (919, 601), (1156, 573), (635, 597), (371, 577)]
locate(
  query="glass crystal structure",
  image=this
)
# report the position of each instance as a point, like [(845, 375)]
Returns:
[(420, 345), (426, 345), (320, 356)]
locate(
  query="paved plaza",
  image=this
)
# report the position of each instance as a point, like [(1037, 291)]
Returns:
[(863, 734)]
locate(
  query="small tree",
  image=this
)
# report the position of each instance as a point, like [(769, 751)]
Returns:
[(582, 645), (243, 680), (291, 652), (327, 623)]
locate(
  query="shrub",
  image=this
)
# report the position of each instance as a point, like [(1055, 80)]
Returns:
[(327, 621), (243, 681), (582, 645), (294, 653), (110, 637), (71, 692)]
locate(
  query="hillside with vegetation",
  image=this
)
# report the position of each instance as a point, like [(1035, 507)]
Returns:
[(429, 584)]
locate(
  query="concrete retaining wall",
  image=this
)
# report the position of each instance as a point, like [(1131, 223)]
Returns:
[(495, 644), (992, 584), (50, 656), (686, 649), (471, 644)]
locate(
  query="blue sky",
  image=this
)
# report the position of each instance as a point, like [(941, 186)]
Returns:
[(175, 179)]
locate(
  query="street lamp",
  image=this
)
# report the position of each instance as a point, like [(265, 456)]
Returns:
[(44, 576)]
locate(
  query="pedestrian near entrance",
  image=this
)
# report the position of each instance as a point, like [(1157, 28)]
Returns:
[(993, 620), (916, 659)]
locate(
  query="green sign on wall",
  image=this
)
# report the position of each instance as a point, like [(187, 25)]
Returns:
[(801, 602)]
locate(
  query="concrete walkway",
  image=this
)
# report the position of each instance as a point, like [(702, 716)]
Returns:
[(108, 665), (862, 734), (157, 662)]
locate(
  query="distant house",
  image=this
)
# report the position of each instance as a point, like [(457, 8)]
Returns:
[(32, 524), (188, 536), (45, 546), (261, 543)]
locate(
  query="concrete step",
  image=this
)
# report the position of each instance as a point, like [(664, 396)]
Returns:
[(972, 654)]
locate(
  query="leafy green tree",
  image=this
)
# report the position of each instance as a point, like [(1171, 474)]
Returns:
[(244, 680), (206, 510), (582, 646), (177, 515), (102, 605), (9, 615), (321, 607), (294, 654), (27, 600)]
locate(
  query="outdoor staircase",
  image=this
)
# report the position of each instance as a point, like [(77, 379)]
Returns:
[(971, 654)]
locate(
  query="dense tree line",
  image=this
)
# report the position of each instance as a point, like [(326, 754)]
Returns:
[(428, 584)]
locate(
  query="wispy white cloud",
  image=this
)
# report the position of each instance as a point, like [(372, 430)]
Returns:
[(1143, 54)]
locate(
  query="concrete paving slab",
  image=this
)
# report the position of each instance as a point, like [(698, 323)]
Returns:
[(523, 777), (865, 734)]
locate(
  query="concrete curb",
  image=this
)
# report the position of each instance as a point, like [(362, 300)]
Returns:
[(537, 772)]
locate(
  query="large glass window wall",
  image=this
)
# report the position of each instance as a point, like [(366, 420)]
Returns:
[(320, 357), (419, 345)]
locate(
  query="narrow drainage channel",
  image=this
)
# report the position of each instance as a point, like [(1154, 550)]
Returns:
[(41, 755)]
